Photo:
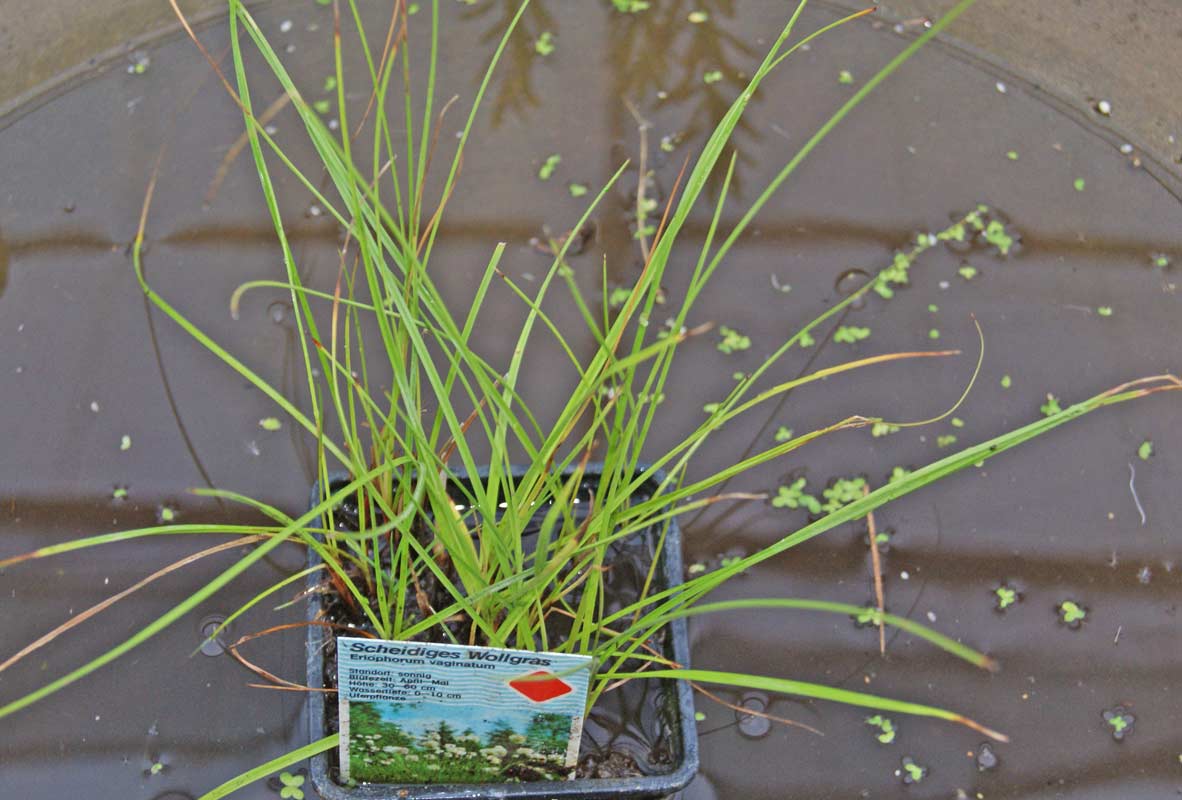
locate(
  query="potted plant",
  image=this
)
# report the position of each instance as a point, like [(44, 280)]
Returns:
[(463, 524)]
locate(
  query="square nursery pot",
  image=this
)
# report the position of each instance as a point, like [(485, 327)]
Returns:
[(669, 720)]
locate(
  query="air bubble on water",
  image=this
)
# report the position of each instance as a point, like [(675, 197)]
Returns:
[(314, 210), (751, 725), (215, 646), (271, 130), (140, 61), (851, 281), (285, 26), (1144, 575), (333, 124), (277, 312), (986, 758), (252, 447), (94, 406), (1001, 87)]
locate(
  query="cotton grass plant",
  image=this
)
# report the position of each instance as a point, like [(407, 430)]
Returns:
[(437, 500)]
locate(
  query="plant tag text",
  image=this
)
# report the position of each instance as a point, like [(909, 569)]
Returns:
[(414, 712)]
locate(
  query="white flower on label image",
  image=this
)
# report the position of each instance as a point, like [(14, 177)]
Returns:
[(412, 757)]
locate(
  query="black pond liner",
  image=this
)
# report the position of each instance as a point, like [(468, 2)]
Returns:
[(675, 697)]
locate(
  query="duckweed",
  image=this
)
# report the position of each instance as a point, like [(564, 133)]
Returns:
[(848, 334), (886, 728), (731, 340), (795, 496), (549, 165)]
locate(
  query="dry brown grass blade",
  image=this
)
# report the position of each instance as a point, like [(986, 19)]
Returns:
[(276, 681), (752, 712), (434, 221), (876, 563), (389, 50), (78, 619)]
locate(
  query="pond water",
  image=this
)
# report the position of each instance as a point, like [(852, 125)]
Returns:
[(111, 413)]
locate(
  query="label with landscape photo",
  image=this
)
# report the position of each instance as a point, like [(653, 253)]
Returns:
[(415, 712)]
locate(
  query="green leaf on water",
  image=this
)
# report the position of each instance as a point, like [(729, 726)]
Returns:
[(577, 189), (548, 166), (270, 424), (946, 440), (795, 496), (731, 340), (125, 442), (845, 77), (1145, 450), (1006, 597), (1079, 184), (1012, 155), (848, 334), (544, 45), (886, 728), (1006, 381), (1071, 612), (1051, 406), (1104, 311), (698, 17), (783, 434), (997, 235), (713, 76), (967, 271), (913, 772)]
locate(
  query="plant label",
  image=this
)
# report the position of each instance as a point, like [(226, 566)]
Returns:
[(414, 712)]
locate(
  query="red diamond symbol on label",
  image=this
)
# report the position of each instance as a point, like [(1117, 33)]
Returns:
[(541, 686)]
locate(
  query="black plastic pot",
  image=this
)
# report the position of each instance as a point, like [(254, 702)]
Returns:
[(676, 697)]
